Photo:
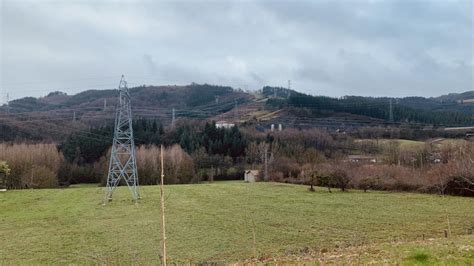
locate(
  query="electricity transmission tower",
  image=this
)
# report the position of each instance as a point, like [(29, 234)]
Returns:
[(391, 110), (8, 103), (173, 117), (289, 89), (123, 163)]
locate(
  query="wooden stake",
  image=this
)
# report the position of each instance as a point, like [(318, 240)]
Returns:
[(162, 199), (447, 233), (254, 243)]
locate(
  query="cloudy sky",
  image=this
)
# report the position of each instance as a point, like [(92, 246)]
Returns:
[(335, 48)]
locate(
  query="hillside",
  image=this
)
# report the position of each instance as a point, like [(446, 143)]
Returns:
[(218, 223), (356, 111), (456, 96), (463, 102), (58, 114)]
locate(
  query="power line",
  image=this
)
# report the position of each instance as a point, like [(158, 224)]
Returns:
[(145, 112), (65, 88), (64, 130)]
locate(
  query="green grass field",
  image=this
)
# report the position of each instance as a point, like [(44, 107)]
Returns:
[(215, 223), (403, 143)]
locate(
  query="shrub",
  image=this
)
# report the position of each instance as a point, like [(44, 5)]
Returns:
[(40, 177), (340, 177), (283, 167), (388, 177), (148, 163), (4, 173), (323, 176), (365, 179), (454, 177), (179, 167), (32, 165)]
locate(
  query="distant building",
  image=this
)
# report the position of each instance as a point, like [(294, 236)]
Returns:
[(459, 128), (470, 135), (224, 124), (251, 175), (466, 101), (363, 159)]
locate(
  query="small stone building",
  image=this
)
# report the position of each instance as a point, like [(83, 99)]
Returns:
[(251, 175)]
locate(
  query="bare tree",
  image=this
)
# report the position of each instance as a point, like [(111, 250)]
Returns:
[(308, 175), (465, 166), (439, 177), (341, 178)]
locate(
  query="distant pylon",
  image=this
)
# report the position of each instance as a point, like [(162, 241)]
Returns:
[(8, 103), (235, 111), (391, 111), (289, 89), (173, 118), (123, 163)]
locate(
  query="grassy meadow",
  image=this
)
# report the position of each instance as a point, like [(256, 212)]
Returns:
[(217, 223), (403, 143)]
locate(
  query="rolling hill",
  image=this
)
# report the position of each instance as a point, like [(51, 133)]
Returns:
[(57, 115)]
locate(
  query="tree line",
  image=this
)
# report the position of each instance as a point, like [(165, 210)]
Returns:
[(365, 106), (199, 151)]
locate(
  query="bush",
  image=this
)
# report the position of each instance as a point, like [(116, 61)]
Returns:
[(340, 177), (179, 167), (148, 163), (32, 165), (455, 178), (4, 173), (283, 168), (388, 177), (40, 177)]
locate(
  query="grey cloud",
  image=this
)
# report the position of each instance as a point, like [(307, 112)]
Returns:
[(150, 64), (257, 78), (325, 47)]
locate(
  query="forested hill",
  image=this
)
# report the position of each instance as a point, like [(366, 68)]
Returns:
[(57, 115), (442, 111), (181, 97)]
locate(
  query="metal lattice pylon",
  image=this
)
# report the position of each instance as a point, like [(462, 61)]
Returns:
[(123, 163)]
